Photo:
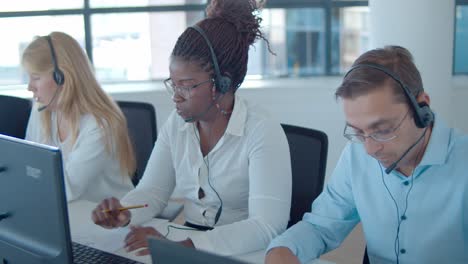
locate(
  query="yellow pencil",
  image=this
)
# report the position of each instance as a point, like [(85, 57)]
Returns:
[(126, 208)]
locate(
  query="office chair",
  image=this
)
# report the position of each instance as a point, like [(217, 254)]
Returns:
[(308, 148), (365, 260), (141, 123), (14, 116)]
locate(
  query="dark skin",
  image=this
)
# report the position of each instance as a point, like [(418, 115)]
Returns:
[(112, 219), (281, 255), (137, 239), (211, 125)]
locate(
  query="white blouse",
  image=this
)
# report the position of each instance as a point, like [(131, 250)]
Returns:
[(249, 168), (91, 173)]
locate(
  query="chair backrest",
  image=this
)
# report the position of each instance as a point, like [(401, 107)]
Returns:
[(309, 149), (365, 259), (141, 122), (14, 116)]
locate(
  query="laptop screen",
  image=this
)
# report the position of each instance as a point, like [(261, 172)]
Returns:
[(33, 211), (167, 252)]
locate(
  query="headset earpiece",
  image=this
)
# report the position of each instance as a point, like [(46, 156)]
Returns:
[(425, 117), (57, 74), (222, 82), (58, 77)]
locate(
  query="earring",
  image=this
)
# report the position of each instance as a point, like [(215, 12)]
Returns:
[(213, 93)]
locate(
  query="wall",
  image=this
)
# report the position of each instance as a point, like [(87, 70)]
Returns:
[(426, 28), (458, 103)]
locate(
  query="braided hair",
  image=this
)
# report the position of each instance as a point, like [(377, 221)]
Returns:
[(231, 26)]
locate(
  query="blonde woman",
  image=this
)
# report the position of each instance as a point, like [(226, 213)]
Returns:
[(72, 112)]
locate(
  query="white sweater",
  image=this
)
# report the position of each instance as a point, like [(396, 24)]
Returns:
[(91, 173)]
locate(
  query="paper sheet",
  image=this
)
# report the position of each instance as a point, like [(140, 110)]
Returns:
[(84, 231)]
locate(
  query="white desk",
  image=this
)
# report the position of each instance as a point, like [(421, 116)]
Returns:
[(84, 231)]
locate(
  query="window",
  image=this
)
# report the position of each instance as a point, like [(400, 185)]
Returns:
[(309, 37), (296, 35), (350, 36), (19, 31), (304, 44), (460, 63), (31, 5), (127, 3), (147, 40)]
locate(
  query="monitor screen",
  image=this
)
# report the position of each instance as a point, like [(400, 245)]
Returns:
[(168, 252), (33, 211)]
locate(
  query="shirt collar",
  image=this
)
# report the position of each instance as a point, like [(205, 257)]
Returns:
[(237, 121), (438, 145), (238, 118), (185, 126)]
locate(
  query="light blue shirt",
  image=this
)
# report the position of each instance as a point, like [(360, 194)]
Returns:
[(436, 226)]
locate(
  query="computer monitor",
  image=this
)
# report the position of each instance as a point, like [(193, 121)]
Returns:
[(34, 225), (168, 252)]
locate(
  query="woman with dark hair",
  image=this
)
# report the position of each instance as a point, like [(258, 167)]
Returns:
[(228, 158)]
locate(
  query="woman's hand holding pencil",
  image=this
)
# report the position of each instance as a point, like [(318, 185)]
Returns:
[(111, 214), (126, 208)]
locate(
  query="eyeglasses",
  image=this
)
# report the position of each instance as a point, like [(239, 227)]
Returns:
[(181, 90), (379, 136)]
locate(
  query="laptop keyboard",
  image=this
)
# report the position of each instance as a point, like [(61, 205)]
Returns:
[(84, 254)]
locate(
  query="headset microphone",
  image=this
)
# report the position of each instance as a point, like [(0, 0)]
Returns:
[(42, 108), (394, 164), (195, 117)]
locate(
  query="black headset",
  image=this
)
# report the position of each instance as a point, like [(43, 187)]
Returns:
[(57, 75), (423, 114), (222, 82)]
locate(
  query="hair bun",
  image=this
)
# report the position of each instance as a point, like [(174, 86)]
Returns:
[(221, 8), (241, 13)]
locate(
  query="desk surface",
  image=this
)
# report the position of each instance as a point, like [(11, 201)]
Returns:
[(84, 231)]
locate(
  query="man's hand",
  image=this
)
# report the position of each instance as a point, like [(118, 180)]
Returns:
[(281, 255)]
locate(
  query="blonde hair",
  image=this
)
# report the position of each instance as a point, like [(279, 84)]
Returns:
[(80, 94)]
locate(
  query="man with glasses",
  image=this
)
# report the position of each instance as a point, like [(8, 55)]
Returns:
[(403, 175)]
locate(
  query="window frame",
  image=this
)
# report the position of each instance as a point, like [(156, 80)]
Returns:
[(457, 4), (87, 11)]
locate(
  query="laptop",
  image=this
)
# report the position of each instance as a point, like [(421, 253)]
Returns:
[(34, 225), (168, 252)]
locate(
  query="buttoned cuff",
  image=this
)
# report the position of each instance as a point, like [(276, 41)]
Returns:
[(281, 241)]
